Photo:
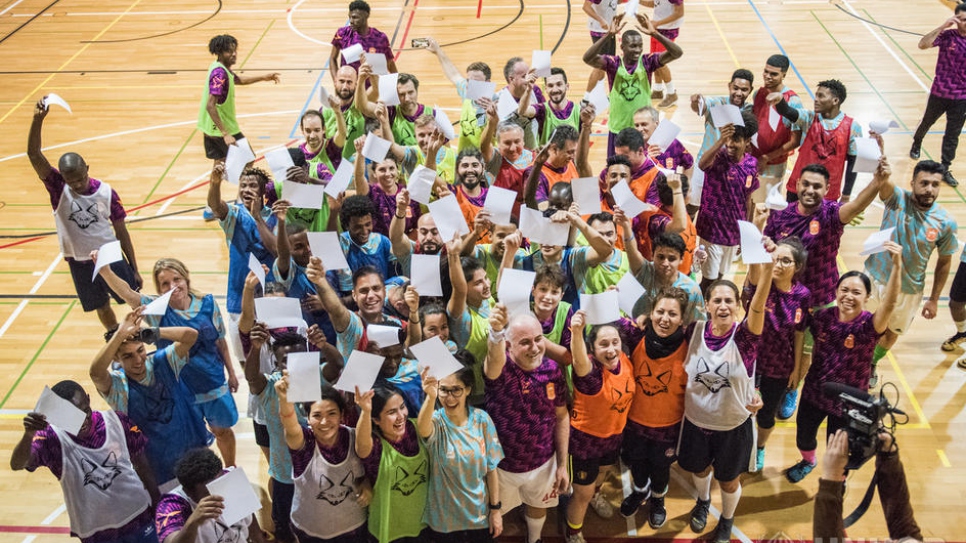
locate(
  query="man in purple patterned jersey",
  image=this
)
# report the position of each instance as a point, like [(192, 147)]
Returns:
[(948, 93), (676, 155), (526, 397), (359, 31)]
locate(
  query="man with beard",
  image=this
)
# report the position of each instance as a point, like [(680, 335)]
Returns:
[(355, 123), (359, 31), (739, 89), (471, 186), (322, 153), (473, 113), (510, 159), (922, 226), (553, 164), (774, 144), (427, 241), (629, 75), (556, 111), (629, 143), (646, 121), (829, 138), (402, 118)]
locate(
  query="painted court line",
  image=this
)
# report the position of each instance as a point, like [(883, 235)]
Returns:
[(889, 49), (40, 282)]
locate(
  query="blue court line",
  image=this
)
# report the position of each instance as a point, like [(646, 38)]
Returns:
[(782, 49), (315, 88)]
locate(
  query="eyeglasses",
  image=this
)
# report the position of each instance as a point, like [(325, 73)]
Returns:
[(455, 392), (785, 262)]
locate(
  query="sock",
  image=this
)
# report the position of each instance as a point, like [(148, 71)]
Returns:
[(878, 354), (658, 87), (961, 326), (670, 87), (659, 494), (809, 456), (729, 502), (703, 485), (642, 490), (534, 528), (573, 530)]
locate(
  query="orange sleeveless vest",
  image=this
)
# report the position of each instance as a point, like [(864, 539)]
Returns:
[(659, 400), (604, 414)]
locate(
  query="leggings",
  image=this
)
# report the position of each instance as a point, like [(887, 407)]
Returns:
[(809, 419), (649, 459)]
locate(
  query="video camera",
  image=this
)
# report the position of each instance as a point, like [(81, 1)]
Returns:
[(863, 414)]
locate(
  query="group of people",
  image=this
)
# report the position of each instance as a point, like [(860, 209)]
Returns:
[(548, 400)]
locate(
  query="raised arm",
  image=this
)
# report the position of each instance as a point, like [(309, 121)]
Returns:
[(457, 300), (359, 181), (217, 205), (880, 185), (364, 425), (294, 438), (707, 159), (587, 115), (248, 80), (256, 379), (449, 69), (672, 51), (247, 317), (118, 285), (414, 332), (496, 343), (100, 370), (679, 213), (884, 312), (511, 244), (338, 313), (578, 347), (530, 189), (756, 310), (401, 247), (284, 260), (424, 424), (593, 56), (37, 159), (635, 259), (524, 109), (362, 102), (489, 131), (929, 40)]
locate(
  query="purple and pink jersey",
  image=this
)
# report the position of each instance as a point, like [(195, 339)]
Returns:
[(821, 233), (523, 406), (676, 156), (218, 83), (303, 457), (727, 185), (374, 41), (950, 81), (842, 354), (583, 445), (385, 205), (332, 152), (785, 314)]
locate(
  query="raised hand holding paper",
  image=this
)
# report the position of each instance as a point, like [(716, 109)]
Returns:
[(361, 370), (540, 63), (625, 199), (664, 135), (53, 99), (255, 267), (303, 195), (434, 355), (239, 155), (109, 253), (425, 275), (506, 105), (159, 306), (279, 312), (60, 412), (752, 249), (867, 155), (304, 377), (383, 336), (421, 184), (449, 217), (445, 126), (479, 89), (240, 498), (514, 290), (876, 242), (499, 202), (352, 53), (601, 308), (775, 201), (539, 229), (598, 97), (586, 191), (326, 245), (378, 63), (724, 114), (376, 148), (388, 94), (340, 179), (630, 291), (279, 161)]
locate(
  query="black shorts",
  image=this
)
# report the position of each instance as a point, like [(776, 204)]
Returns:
[(636, 448), (957, 293), (359, 535), (728, 452), (481, 535), (261, 434), (216, 148), (94, 294), (610, 48), (584, 471), (282, 496), (772, 391)]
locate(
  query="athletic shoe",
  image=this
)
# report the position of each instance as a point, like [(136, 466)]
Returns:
[(601, 506), (874, 378), (699, 515), (722, 532), (961, 362), (656, 513), (788, 405), (632, 503), (798, 472), (208, 215), (657, 94), (915, 151), (947, 177), (669, 100), (759, 459), (953, 342), (576, 538)]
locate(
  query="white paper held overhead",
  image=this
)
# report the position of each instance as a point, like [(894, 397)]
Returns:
[(867, 155), (775, 201), (425, 275), (360, 371), (255, 267), (279, 312), (586, 191), (515, 288), (54, 99), (303, 195), (479, 89), (352, 53), (445, 125), (449, 218), (630, 290), (375, 148), (876, 242), (540, 63), (434, 355), (340, 179), (421, 183), (159, 306), (239, 156), (601, 308), (539, 229), (109, 253), (304, 377), (388, 91), (724, 114), (499, 202), (328, 247), (752, 249), (664, 135)]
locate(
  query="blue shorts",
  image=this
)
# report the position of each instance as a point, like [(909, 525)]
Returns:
[(220, 412)]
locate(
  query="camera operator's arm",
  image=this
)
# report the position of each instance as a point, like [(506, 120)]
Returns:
[(827, 522), (894, 492)]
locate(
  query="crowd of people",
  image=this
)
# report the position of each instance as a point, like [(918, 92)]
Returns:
[(549, 399)]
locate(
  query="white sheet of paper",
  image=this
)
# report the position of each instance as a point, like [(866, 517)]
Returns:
[(304, 195), (304, 378), (506, 104), (664, 135), (630, 290), (540, 63), (255, 267), (352, 53), (723, 114), (425, 275), (375, 148), (360, 371), (626, 200), (773, 118), (279, 161), (324, 96), (60, 412), (434, 355), (239, 155), (752, 250), (159, 305), (499, 202), (754, 140), (867, 155), (340, 179), (696, 186), (586, 191), (876, 242), (388, 94), (278, 312), (479, 89), (54, 99), (881, 126), (601, 308), (775, 201), (326, 246), (514, 290), (109, 253), (383, 336), (630, 10), (599, 97), (421, 184), (240, 498), (448, 217), (445, 125), (539, 229), (380, 66)]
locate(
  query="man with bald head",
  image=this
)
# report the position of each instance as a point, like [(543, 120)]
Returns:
[(526, 397), (345, 81), (85, 212), (427, 241)]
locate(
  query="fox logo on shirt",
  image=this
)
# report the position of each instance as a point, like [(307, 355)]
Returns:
[(652, 385), (622, 399), (101, 476), (406, 483), (713, 380), (82, 217), (226, 534), (334, 494)]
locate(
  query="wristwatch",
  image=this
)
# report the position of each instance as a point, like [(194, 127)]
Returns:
[(496, 506)]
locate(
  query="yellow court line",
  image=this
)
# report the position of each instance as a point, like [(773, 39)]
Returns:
[(71, 59), (942, 458), (722, 34)]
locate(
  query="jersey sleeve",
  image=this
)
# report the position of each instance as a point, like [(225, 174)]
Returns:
[(171, 515)]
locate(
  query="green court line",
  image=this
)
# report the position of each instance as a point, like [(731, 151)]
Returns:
[(252, 50), (37, 354), (168, 169), (901, 48)]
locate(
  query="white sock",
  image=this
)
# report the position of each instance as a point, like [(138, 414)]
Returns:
[(729, 502), (644, 489), (670, 87), (534, 527), (960, 326), (703, 485), (658, 87), (660, 494)]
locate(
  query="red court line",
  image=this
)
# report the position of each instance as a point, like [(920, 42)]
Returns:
[(21, 242), (479, 9), (409, 23), (34, 530)]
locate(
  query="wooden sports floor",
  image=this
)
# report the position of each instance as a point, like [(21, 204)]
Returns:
[(133, 71)]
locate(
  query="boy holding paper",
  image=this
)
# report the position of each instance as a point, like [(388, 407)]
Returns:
[(739, 89), (358, 31), (922, 226)]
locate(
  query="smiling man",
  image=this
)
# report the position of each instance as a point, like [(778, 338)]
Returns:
[(739, 89), (359, 32)]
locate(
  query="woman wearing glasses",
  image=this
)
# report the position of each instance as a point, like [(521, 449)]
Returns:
[(464, 494)]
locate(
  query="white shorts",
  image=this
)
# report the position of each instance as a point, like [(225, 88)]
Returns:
[(234, 338), (718, 263), (907, 306), (534, 488)]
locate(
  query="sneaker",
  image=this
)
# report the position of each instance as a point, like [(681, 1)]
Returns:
[(915, 151), (669, 100), (656, 513), (947, 177), (576, 538), (874, 378), (953, 342), (798, 472), (961, 362), (208, 215), (788, 405), (632, 503), (699, 515), (722, 532), (601, 506), (759, 459), (657, 94)]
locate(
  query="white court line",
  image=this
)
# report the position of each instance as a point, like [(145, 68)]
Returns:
[(47, 521), (887, 47), (291, 25), (626, 488), (686, 485), (23, 303), (10, 7)]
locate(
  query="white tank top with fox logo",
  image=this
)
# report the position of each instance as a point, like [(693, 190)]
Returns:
[(84, 222), (719, 387), (325, 497), (214, 530)]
